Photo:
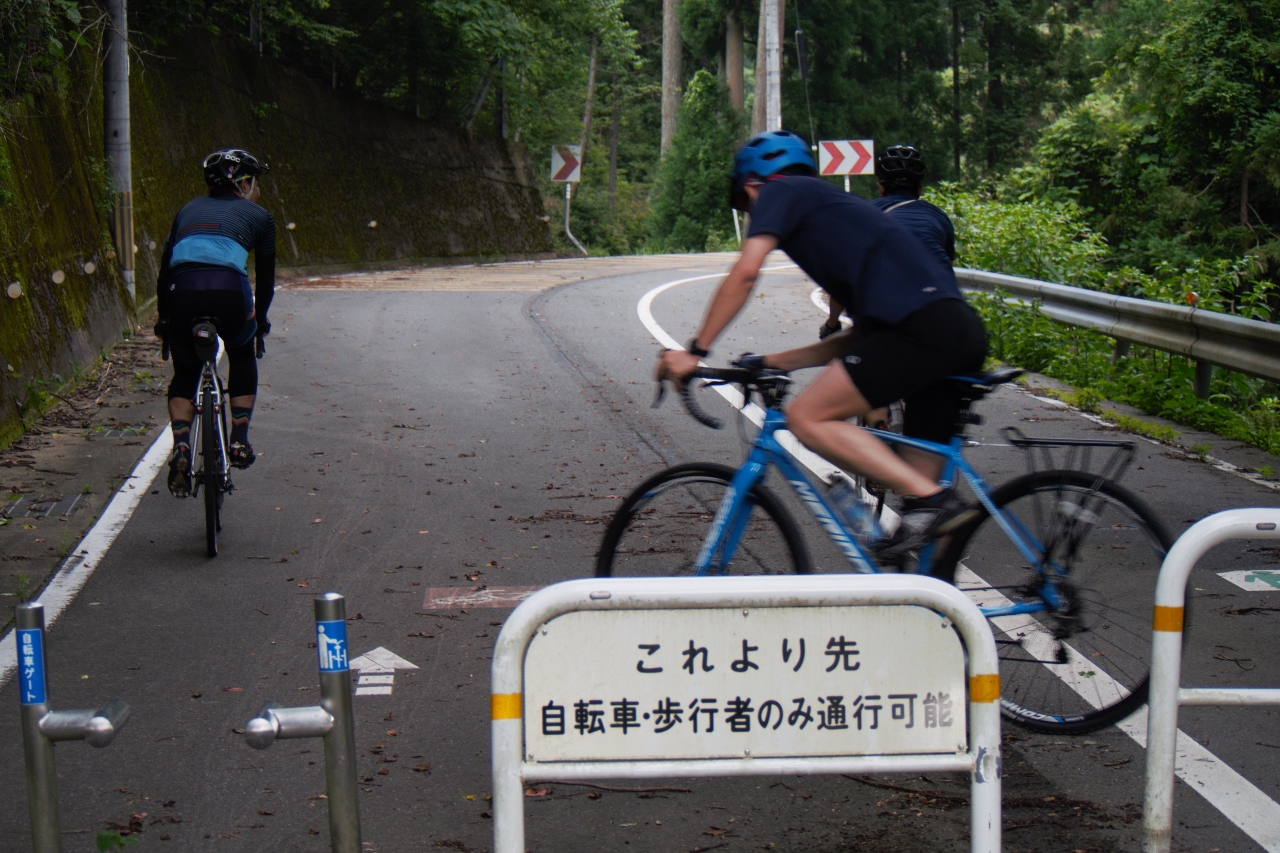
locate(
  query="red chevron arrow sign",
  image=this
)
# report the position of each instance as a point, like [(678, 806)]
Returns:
[(847, 157), (565, 163)]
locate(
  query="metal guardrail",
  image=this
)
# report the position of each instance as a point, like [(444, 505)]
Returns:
[(1211, 338)]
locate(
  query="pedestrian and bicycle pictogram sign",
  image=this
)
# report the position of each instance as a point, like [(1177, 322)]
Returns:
[(566, 163), (847, 157), (331, 646)]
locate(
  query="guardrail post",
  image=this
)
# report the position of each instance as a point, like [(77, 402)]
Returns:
[(1204, 375), (41, 728), (332, 720), (1121, 351)]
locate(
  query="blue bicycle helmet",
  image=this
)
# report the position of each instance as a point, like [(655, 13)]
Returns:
[(766, 154)]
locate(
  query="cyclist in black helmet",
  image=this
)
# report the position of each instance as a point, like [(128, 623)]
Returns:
[(900, 172), (204, 273), (916, 328)]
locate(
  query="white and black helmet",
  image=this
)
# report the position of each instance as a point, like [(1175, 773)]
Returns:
[(224, 169)]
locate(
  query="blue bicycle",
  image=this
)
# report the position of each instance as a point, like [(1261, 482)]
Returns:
[(1062, 560)]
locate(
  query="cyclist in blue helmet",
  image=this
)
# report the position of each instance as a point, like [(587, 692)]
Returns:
[(912, 330)]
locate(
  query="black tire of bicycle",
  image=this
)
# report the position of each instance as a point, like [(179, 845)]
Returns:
[(212, 475), (1020, 487), (759, 494)]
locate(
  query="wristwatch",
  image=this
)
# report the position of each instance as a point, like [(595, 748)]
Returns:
[(692, 346)]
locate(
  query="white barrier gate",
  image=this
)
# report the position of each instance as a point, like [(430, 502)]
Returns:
[(745, 676), (1167, 692)]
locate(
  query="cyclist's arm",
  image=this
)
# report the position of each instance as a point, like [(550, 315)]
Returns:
[(816, 354), (264, 265), (726, 302), (162, 280)]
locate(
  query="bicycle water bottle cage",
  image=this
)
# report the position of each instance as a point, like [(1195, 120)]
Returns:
[(206, 339)]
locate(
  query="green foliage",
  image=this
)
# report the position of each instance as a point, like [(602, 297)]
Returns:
[(113, 840), (36, 37), (691, 198)]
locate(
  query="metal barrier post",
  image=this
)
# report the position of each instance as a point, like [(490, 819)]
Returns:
[(332, 720), (1166, 661), (41, 727)]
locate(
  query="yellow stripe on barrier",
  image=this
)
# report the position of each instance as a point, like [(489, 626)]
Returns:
[(984, 688), (506, 706), (1168, 619)]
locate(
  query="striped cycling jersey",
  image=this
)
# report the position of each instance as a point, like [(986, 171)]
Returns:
[(218, 232)]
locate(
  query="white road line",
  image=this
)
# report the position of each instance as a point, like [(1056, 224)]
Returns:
[(88, 554), (1238, 799)]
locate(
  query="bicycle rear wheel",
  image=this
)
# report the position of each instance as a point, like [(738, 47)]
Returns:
[(1085, 664), (660, 528), (211, 472)]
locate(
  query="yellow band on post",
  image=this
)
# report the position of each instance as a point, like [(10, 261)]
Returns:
[(1168, 619), (984, 688), (506, 706)]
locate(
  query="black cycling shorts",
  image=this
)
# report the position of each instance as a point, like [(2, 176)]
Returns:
[(911, 360), (229, 308)]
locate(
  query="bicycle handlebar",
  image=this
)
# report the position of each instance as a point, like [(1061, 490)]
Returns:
[(746, 377)]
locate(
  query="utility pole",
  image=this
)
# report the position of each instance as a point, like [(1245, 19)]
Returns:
[(115, 121), (772, 65), (672, 53)]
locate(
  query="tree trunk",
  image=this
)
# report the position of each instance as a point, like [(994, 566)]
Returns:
[(591, 99), (733, 61), (672, 81), (757, 107), (615, 124), (955, 83), (1244, 199)]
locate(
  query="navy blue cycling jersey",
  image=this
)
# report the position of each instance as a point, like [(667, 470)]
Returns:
[(217, 233), (866, 261), (928, 222)]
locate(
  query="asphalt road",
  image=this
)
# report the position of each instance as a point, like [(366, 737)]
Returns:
[(447, 430)]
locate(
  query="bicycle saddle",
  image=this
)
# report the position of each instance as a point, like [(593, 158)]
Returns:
[(986, 382), (205, 334)]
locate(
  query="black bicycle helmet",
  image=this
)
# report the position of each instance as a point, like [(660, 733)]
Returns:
[(900, 165), (223, 169)]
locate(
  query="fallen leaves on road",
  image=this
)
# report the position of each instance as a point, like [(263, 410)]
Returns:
[(317, 521), (538, 792), (424, 767), (233, 690), (422, 634)]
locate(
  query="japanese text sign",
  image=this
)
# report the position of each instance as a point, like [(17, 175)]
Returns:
[(31, 684), (847, 157), (566, 163), (734, 683)]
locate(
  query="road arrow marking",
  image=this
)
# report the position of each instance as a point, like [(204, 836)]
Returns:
[(1254, 580), (377, 671)]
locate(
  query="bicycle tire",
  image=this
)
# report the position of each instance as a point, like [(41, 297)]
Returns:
[(211, 472), (1103, 634), (660, 527)]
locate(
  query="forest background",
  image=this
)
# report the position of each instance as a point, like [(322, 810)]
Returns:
[(1125, 145)]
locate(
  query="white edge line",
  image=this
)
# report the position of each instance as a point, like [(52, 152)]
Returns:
[(90, 551), (1238, 799)]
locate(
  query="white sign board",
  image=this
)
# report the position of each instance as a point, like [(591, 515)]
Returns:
[(847, 157), (566, 163), (734, 683)]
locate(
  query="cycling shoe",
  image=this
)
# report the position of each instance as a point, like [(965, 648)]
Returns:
[(242, 455), (180, 471)]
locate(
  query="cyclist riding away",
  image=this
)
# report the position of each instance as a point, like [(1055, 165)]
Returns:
[(204, 273), (915, 327), (900, 176)]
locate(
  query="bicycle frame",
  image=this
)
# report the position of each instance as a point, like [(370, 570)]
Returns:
[(209, 393), (731, 517)]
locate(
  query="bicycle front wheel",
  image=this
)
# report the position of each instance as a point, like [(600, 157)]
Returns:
[(211, 471), (1083, 663), (660, 528)]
